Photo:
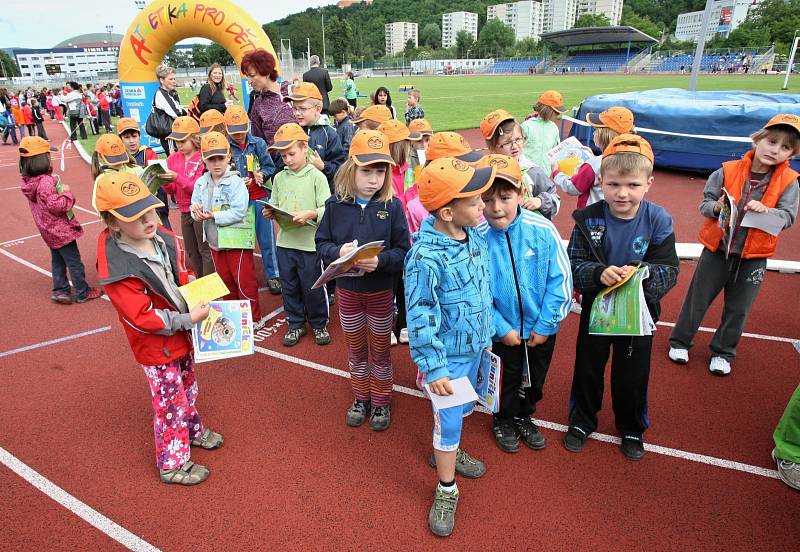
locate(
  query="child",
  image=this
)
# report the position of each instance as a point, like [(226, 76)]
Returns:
[(503, 135), (540, 131), (184, 167), (761, 182), (610, 238), (400, 141), (300, 189), (340, 109), (103, 110), (327, 154), (219, 199), (27, 112), (586, 182), (9, 127), (140, 265), (18, 117), (413, 109), (530, 273), (38, 118), (363, 211), (449, 312), (371, 117), (111, 155), (786, 437), (51, 206), (423, 127), (382, 97), (254, 163), (212, 121), (450, 144)]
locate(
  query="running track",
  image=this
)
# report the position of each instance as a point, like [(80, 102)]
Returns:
[(75, 427)]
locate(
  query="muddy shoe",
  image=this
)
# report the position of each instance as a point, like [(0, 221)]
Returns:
[(188, 474), (381, 418), (293, 336), (357, 413), (274, 286), (466, 465), (208, 440), (321, 336), (442, 517)]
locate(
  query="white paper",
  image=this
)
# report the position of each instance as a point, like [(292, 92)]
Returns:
[(768, 222), (463, 393), (421, 157)]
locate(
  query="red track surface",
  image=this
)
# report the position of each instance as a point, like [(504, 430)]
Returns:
[(292, 475)]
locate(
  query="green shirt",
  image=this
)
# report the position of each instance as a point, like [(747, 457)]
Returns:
[(540, 137), (300, 191), (350, 91)]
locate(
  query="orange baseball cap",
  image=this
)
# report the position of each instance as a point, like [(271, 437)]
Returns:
[(236, 119), (370, 146), (448, 178), (507, 167), (376, 113), (33, 145), (629, 143), (493, 120), (450, 144), (422, 126), (124, 195), (112, 150), (287, 135), (552, 99), (785, 119), (396, 131), (182, 128), (214, 143), (127, 123), (617, 118), (209, 119), (303, 91)]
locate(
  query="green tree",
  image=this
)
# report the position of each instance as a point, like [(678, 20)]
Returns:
[(341, 39), (528, 47), (200, 55), (464, 42), (495, 37), (431, 35), (218, 54), (641, 22), (8, 66), (410, 46), (592, 20)]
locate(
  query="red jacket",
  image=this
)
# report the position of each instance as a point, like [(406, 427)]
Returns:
[(141, 301)]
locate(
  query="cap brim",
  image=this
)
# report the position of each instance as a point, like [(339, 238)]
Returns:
[(136, 209), (414, 136), (203, 130), (470, 157), (510, 179), (594, 120), (236, 128), (115, 159), (214, 153), (796, 128), (360, 120), (122, 131), (480, 182), (371, 158), (293, 98), (285, 144), (178, 136)]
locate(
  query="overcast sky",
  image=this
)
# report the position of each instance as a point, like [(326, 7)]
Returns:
[(45, 23)]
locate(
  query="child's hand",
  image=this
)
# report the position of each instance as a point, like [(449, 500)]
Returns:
[(168, 175), (553, 167), (65, 188), (536, 339), (304, 216), (346, 248), (511, 339), (199, 312), (368, 265), (719, 204), (316, 160), (259, 176), (756, 206), (441, 386), (268, 212), (532, 204), (196, 209), (613, 274)]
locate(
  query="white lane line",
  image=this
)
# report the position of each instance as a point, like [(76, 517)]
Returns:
[(37, 235), (90, 211), (36, 268), (54, 341), (11, 188), (657, 449), (744, 334), (80, 509)]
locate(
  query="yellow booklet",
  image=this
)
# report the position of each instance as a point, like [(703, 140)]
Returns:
[(206, 289)]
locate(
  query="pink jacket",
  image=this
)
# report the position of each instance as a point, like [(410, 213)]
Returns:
[(49, 209), (415, 212), (188, 172), (399, 183)]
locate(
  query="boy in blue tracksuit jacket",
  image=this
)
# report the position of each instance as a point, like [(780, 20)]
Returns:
[(532, 291)]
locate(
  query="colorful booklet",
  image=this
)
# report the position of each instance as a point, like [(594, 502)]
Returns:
[(621, 309), (571, 154), (204, 290), (70, 214), (240, 235), (226, 333), (151, 176), (488, 383), (285, 219), (345, 266)]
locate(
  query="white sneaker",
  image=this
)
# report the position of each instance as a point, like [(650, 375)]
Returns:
[(393, 339), (403, 336), (679, 356), (720, 366), (259, 325), (575, 307)]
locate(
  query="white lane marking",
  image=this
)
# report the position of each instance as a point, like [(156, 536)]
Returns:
[(744, 334), (32, 266), (37, 235), (657, 449), (90, 211), (80, 509), (11, 188), (54, 341)]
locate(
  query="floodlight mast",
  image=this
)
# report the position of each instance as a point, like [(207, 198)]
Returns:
[(701, 44), (795, 38)]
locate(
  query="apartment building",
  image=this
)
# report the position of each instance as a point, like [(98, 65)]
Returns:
[(398, 34), (455, 22), (525, 18)]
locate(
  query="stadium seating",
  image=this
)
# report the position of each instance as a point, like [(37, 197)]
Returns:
[(674, 63), (511, 66), (592, 61)]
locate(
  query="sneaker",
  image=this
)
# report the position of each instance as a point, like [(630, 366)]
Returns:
[(93, 293), (381, 418), (274, 286), (505, 436), (403, 337), (719, 366), (260, 324), (442, 517), (789, 472), (321, 336), (293, 336), (575, 439), (530, 434), (632, 447), (331, 299), (466, 465), (357, 413), (188, 474), (678, 356), (575, 307), (393, 339), (62, 297)]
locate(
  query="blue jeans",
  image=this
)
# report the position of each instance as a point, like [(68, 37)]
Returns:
[(265, 235), (68, 257)]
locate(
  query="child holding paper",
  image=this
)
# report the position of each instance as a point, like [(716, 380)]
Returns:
[(540, 131), (760, 182), (610, 238), (140, 265), (531, 294), (449, 312), (363, 210), (220, 200), (303, 190)]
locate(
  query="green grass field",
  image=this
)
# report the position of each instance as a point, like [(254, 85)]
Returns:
[(457, 102)]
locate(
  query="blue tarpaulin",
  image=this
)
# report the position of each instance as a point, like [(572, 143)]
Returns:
[(729, 113)]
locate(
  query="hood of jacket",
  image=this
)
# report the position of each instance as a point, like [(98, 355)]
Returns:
[(428, 235), (307, 168), (30, 185)]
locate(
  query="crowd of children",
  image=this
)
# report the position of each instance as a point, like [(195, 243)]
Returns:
[(471, 260)]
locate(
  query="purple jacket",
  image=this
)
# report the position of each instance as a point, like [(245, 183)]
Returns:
[(267, 113), (49, 209)]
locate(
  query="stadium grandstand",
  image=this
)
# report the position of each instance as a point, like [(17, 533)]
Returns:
[(634, 45)]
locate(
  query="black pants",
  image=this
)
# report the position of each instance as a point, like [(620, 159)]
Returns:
[(516, 400), (76, 123), (163, 212), (298, 272), (104, 118), (630, 373), (352, 101), (40, 130), (62, 259)]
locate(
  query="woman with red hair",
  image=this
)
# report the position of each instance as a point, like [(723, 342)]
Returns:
[(267, 110)]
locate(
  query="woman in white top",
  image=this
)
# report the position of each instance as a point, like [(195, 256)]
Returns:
[(73, 99), (166, 98)]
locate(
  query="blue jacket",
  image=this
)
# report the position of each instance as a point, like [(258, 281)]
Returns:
[(229, 203), (345, 221), (448, 302), (323, 139), (346, 129), (257, 147), (529, 267)]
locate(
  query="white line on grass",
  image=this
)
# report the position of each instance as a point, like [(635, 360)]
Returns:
[(54, 341), (657, 449), (80, 509)]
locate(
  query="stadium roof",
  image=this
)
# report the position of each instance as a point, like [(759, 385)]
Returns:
[(90, 40), (597, 35)]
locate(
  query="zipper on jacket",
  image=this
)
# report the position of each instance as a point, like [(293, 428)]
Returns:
[(361, 216), (526, 374)]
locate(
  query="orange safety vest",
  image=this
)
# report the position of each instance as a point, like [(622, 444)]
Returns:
[(758, 244)]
